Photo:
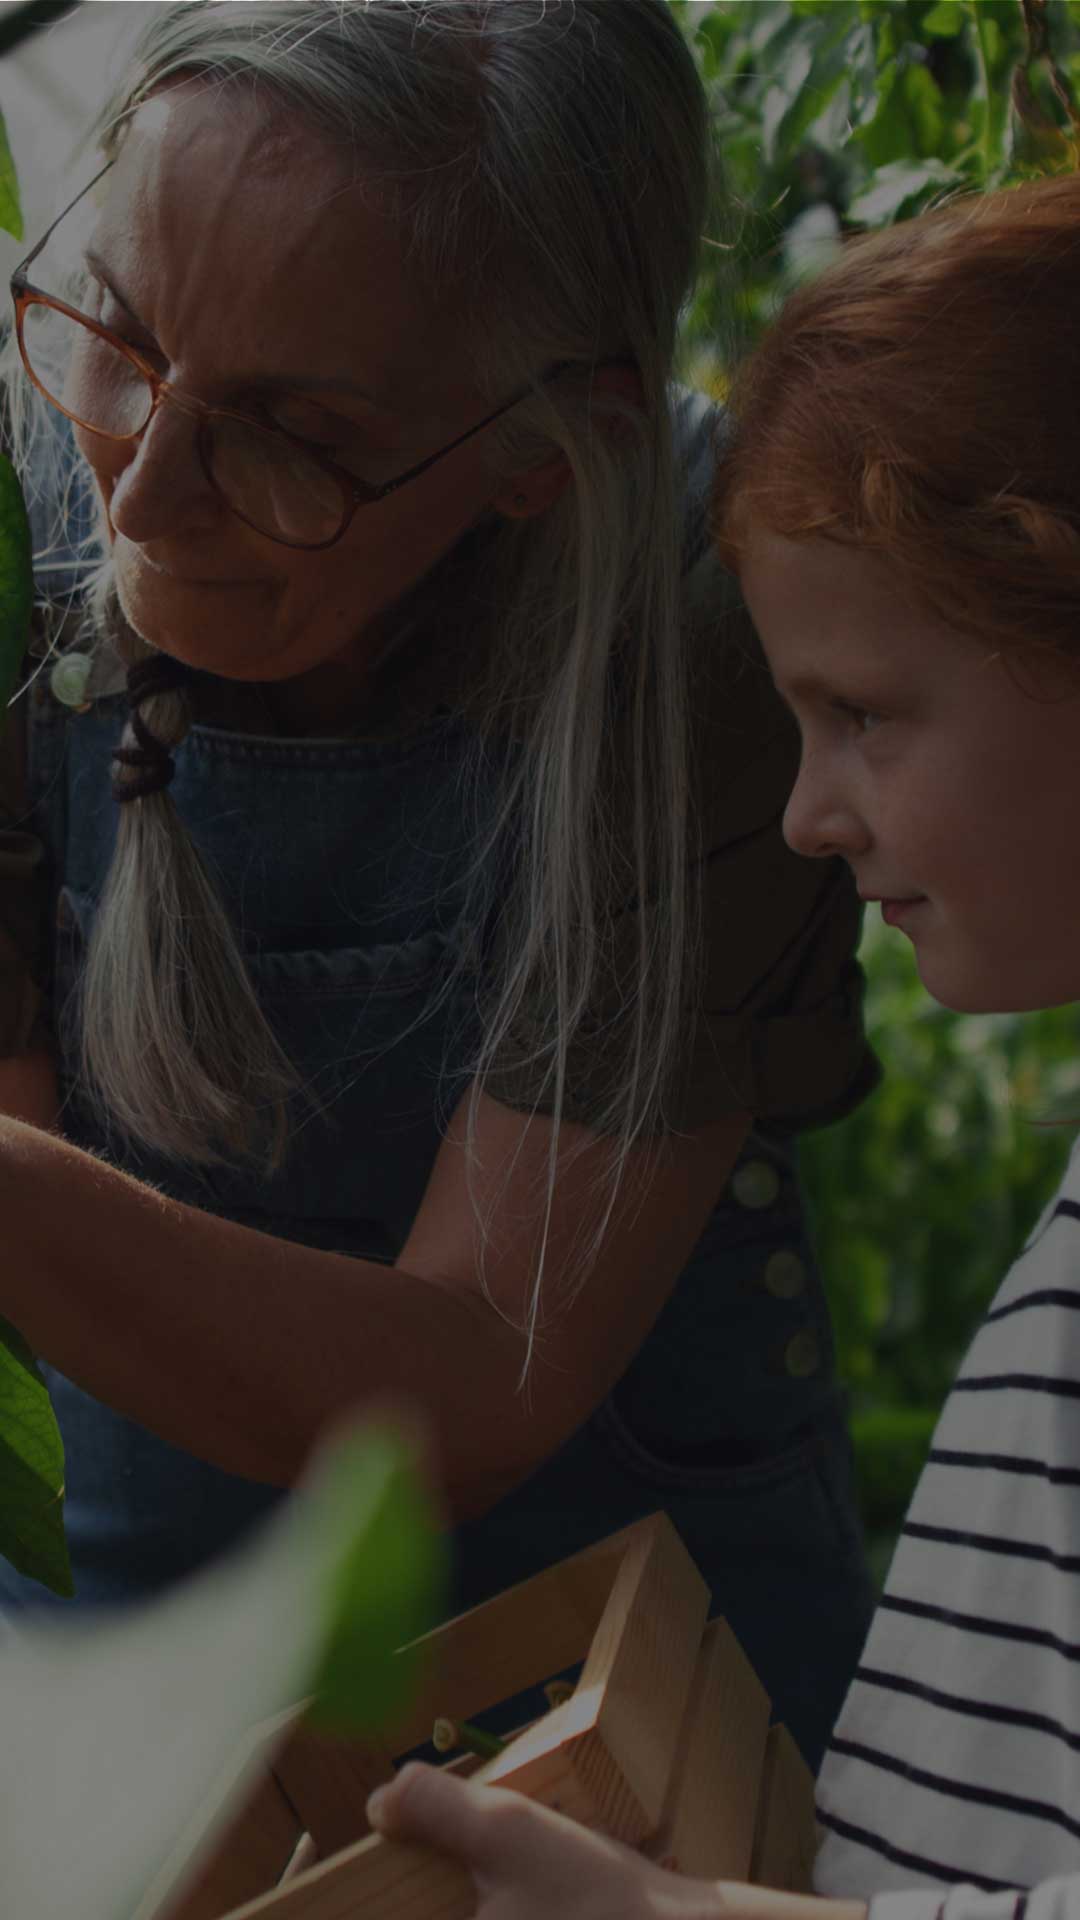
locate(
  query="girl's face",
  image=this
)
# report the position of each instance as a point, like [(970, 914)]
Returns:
[(951, 793), (240, 254)]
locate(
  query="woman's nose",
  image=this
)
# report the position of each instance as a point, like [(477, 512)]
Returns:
[(820, 819), (161, 487)]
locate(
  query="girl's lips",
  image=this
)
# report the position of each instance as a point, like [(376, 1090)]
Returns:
[(894, 912)]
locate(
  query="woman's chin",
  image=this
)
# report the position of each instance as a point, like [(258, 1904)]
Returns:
[(220, 627)]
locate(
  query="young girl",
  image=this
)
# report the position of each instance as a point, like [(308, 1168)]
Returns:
[(902, 505)]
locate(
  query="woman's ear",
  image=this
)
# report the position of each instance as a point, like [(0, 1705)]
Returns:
[(531, 493)]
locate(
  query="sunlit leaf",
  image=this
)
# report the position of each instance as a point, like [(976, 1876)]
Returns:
[(894, 189), (137, 1736), (31, 1470), (11, 219), (16, 581), (945, 20), (385, 1590)]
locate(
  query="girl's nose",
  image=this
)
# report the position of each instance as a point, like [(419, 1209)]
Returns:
[(161, 488), (820, 819)]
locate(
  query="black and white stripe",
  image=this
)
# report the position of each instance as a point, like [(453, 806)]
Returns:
[(956, 1760)]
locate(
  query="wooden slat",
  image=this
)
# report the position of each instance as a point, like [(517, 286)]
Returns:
[(635, 1605), (785, 1840), (304, 1855), (375, 1880), (513, 1642), (250, 1856), (643, 1656), (707, 1829), (328, 1781), (621, 1728)]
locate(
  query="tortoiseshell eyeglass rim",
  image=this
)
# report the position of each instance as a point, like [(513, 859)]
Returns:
[(354, 493)]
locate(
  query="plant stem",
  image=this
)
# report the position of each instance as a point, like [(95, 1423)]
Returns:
[(449, 1735)]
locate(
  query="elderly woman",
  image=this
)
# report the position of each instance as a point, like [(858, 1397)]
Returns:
[(425, 947)]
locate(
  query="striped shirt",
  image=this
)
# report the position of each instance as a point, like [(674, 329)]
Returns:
[(956, 1758)]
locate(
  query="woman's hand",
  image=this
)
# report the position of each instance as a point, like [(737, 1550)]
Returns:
[(531, 1864)]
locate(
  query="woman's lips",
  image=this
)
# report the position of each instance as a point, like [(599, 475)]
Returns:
[(180, 578)]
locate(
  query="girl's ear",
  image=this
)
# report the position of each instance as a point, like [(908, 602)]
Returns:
[(531, 493)]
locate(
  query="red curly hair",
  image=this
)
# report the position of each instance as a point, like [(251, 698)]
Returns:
[(921, 398)]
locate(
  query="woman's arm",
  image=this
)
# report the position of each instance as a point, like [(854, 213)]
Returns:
[(240, 1347), (28, 1089)]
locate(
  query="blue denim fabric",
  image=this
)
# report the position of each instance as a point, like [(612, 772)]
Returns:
[(342, 863)]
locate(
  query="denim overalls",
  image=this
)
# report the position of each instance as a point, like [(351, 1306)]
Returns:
[(341, 859)]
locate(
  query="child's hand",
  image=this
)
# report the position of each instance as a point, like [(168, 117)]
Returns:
[(531, 1864)]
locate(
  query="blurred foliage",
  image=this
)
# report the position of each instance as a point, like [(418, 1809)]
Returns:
[(831, 116)]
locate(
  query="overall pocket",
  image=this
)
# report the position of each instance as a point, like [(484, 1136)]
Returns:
[(381, 1037)]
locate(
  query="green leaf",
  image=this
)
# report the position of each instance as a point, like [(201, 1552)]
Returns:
[(787, 83), (387, 1589), (16, 581), (999, 43), (909, 122), (839, 13), (893, 190), (712, 37), (31, 1470), (10, 210), (944, 21), (140, 1734), (924, 104), (830, 64), (772, 26)]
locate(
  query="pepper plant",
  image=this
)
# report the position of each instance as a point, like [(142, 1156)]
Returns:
[(31, 1451)]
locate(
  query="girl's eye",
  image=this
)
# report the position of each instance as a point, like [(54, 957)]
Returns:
[(865, 718)]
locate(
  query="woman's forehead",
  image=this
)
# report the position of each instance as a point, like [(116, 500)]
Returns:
[(233, 224)]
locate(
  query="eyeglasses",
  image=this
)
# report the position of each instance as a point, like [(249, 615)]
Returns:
[(271, 480)]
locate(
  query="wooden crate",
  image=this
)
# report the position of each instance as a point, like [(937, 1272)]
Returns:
[(664, 1743)]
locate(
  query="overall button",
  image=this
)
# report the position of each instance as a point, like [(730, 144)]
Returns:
[(785, 1275), (756, 1184), (802, 1355)]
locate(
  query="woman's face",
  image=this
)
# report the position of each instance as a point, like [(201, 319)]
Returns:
[(950, 791), (238, 252)]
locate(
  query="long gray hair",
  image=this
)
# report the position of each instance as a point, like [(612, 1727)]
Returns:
[(549, 160)]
